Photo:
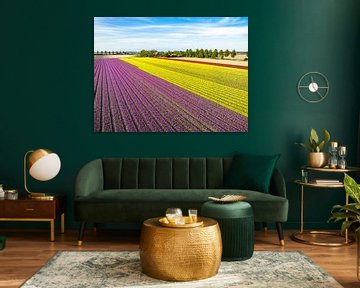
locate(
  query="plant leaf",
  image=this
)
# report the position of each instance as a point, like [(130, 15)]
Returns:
[(312, 144), (306, 146), (346, 225), (326, 136), (321, 146), (350, 207), (314, 135), (352, 188), (337, 216)]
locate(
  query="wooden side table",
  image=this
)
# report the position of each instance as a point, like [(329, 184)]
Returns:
[(26, 209)]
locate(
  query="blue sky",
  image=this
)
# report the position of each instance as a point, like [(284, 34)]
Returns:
[(170, 33)]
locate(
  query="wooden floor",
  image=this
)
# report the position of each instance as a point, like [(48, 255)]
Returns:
[(28, 250)]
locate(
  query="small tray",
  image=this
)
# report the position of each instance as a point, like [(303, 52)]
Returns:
[(164, 222), (228, 198)]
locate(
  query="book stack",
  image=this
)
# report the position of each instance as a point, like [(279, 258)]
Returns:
[(327, 181)]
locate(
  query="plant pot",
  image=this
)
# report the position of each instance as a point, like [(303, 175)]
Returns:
[(317, 159)]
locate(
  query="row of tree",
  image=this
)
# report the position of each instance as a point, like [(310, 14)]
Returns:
[(115, 53), (198, 53)]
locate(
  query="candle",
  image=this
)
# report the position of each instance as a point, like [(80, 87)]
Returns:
[(342, 154), (342, 149), (333, 144)]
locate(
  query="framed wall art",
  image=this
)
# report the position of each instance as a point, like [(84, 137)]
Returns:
[(170, 74)]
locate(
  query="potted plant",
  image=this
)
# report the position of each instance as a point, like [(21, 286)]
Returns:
[(317, 157), (350, 213)]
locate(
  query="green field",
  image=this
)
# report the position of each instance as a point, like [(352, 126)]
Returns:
[(224, 85)]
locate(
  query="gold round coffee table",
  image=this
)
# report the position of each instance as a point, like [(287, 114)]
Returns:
[(180, 254)]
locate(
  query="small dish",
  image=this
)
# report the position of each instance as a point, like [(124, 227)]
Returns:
[(165, 222), (228, 198)]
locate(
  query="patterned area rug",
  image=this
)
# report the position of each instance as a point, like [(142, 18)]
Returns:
[(122, 269)]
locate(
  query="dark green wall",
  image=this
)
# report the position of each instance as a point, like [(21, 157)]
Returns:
[(47, 87)]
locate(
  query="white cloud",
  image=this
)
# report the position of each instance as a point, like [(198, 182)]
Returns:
[(175, 34)]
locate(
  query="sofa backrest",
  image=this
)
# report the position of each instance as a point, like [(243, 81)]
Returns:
[(164, 173)]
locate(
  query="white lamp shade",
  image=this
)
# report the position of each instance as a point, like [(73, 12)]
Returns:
[(46, 168)]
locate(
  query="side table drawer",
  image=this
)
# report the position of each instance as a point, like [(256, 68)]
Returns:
[(31, 209)]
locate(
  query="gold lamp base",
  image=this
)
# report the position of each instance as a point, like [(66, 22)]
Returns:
[(41, 196)]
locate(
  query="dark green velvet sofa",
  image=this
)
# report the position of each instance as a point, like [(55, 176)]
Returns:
[(130, 190)]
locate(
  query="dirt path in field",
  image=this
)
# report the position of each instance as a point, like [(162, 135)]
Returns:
[(217, 62)]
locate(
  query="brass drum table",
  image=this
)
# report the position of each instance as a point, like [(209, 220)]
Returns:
[(180, 254)]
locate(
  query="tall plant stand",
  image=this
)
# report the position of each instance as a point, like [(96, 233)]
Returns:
[(297, 236)]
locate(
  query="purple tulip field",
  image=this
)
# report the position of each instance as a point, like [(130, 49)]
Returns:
[(127, 99)]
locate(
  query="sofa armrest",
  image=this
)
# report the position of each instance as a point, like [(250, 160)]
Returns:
[(89, 179), (277, 184)]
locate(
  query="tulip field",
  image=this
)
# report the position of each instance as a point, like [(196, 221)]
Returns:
[(141, 94)]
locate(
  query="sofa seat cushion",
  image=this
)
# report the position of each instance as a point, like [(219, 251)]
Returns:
[(266, 207), (166, 195)]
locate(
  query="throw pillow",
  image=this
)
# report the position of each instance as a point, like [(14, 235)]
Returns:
[(251, 172)]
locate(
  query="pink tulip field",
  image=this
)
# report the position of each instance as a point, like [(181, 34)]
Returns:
[(128, 99)]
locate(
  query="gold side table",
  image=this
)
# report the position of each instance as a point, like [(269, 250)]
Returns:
[(180, 254), (297, 235)]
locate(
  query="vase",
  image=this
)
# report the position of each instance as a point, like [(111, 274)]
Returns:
[(317, 159)]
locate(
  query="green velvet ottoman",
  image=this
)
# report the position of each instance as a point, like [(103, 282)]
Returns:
[(236, 221)]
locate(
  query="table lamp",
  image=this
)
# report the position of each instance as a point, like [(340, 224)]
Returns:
[(43, 165)]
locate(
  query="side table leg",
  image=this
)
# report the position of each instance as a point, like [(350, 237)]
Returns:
[(63, 223), (52, 230), (81, 233), (346, 230), (302, 210), (280, 233), (265, 227)]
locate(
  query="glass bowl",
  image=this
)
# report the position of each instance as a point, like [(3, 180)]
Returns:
[(173, 214)]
